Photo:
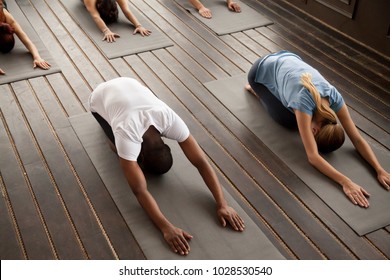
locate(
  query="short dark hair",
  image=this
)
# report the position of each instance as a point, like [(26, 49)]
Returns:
[(157, 161), (108, 10)]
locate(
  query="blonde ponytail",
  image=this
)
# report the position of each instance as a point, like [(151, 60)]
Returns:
[(324, 110), (331, 136)]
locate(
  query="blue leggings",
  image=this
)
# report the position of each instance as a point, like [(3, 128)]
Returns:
[(272, 104)]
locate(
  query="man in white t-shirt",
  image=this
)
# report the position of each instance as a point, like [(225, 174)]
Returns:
[(134, 120)]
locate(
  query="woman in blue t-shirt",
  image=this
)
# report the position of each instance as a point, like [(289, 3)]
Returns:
[(297, 95)]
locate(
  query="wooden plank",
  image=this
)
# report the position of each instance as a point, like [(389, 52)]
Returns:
[(54, 212), (199, 50), (82, 211), (90, 50), (239, 47), (73, 51), (381, 239), (204, 33), (119, 242), (273, 9), (12, 249), (52, 34), (84, 222), (27, 215), (67, 98), (190, 64), (257, 36)]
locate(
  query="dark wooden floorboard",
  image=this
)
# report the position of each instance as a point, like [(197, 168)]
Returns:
[(54, 204), (11, 249)]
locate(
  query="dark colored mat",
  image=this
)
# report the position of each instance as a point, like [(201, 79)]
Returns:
[(128, 43), (18, 64), (287, 145), (182, 197), (225, 21)]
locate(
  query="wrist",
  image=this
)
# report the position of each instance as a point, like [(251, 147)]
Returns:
[(344, 181), (138, 25), (106, 30), (222, 204)]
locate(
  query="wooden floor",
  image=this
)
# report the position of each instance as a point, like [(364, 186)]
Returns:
[(54, 205)]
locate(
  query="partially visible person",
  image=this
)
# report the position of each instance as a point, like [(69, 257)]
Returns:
[(206, 13), (135, 121), (104, 12), (10, 27), (297, 95)]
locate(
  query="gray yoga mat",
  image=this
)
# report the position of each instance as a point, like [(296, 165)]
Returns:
[(225, 21), (183, 198), (18, 64), (287, 145), (128, 43)]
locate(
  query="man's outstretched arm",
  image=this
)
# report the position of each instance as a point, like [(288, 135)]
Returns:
[(198, 158), (176, 238)]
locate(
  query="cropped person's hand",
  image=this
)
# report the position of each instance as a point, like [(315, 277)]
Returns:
[(228, 215), (110, 36), (356, 194), (2, 72), (204, 12), (177, 239), (384, 179), (41, 63), (233, 6), (142, 30)]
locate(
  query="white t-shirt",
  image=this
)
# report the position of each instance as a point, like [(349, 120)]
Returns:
[(130, 108)]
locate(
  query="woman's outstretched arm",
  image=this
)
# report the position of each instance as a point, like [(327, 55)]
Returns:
[(362, 146), (123, 4), (353, 191), (37, 60)]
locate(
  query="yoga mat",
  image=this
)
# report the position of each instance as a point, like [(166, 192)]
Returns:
[(183, 198), (18, 64), (128, 43), (287, 145), (225, 21)]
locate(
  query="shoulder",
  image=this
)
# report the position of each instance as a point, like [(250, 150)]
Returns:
[(9, 17)]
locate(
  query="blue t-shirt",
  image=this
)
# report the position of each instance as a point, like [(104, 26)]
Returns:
[(281, 74)]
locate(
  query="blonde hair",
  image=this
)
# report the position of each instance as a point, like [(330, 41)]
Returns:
[(331, 135)]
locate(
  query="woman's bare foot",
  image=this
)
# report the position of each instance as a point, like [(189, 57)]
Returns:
[(248, 88)]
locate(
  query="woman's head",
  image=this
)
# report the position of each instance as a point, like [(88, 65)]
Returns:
[(108, 10), (157, 160), (330, 135)]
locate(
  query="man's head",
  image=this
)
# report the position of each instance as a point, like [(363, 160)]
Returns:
[(157, 160)]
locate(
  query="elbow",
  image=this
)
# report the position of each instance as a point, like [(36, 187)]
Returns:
[(312, 159)]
